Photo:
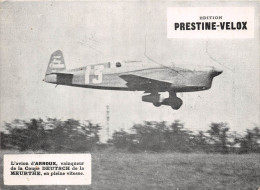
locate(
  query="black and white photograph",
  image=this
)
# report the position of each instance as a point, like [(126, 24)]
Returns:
[(129, 95)]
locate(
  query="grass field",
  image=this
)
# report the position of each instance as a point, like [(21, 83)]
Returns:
[(113, 170)]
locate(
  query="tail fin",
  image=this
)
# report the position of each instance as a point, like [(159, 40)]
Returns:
[(56, 63)]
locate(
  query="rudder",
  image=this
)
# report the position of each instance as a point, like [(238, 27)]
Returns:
[(56, 63)]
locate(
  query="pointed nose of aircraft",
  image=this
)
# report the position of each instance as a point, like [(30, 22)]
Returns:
[(216, 72)]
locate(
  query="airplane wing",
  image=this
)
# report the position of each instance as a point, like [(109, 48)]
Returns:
[(62, 73), (136, 82)]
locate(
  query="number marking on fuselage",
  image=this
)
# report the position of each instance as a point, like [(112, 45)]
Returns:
[(98, 74)]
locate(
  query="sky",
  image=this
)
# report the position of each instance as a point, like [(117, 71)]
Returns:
[(92, 32)]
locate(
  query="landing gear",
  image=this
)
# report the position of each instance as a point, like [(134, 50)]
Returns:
[(176, 103), (158, 100), (157, 104)]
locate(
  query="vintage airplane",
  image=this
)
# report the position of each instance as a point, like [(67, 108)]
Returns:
[(133, 76)]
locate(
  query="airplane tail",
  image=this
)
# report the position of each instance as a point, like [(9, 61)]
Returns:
[(56, 63)]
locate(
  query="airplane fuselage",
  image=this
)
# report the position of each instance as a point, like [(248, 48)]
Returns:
[(106, 76), (133, 76)]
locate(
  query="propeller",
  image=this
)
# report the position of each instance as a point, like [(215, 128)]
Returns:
[(215, 60)]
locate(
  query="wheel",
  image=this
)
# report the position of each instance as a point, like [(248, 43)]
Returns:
[(157, 104), (176, 103)]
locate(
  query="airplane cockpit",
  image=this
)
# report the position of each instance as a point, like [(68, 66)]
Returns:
[(118, 64)]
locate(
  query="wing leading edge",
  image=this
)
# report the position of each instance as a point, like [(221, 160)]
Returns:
[(135, 82)]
